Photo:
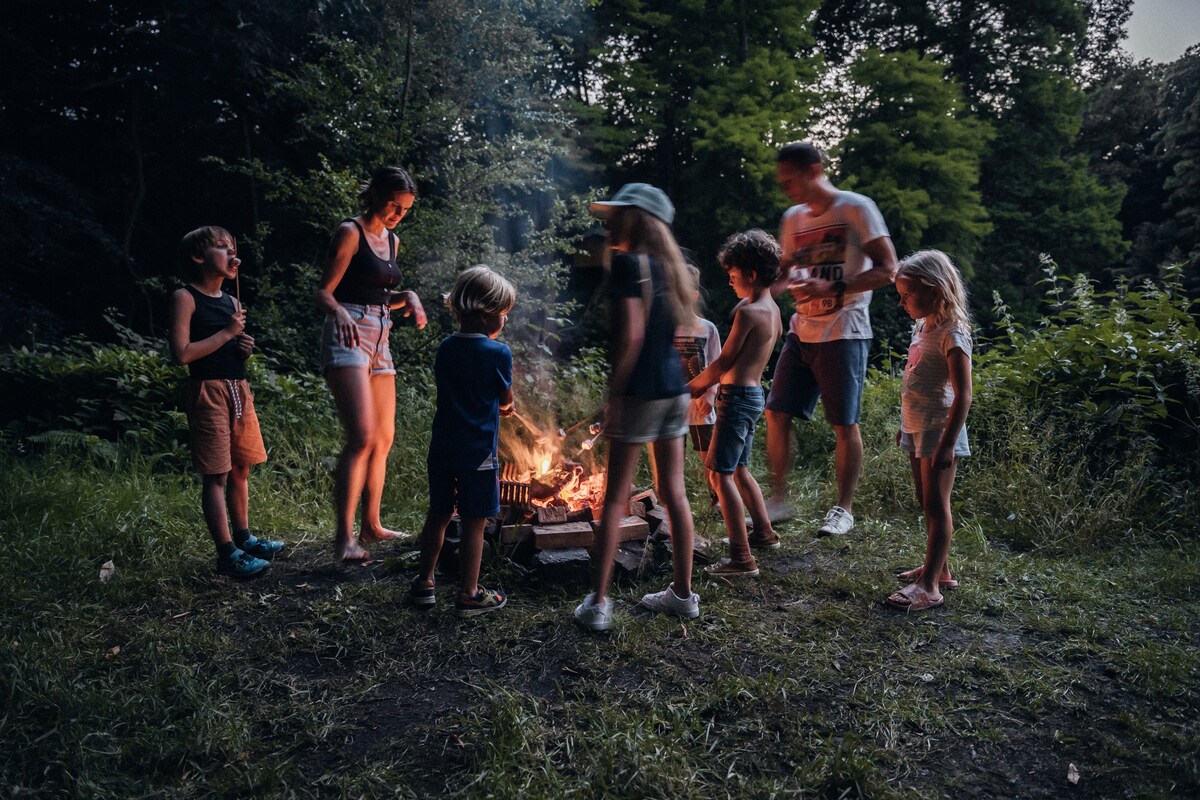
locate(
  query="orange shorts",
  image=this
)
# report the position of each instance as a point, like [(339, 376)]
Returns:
[(222, 426)]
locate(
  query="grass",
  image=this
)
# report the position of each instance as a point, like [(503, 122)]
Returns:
[(319, 680)]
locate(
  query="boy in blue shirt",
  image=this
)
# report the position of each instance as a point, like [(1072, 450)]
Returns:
[(473, 373)]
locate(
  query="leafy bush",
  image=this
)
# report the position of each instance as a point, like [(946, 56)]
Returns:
[(1120, 369)]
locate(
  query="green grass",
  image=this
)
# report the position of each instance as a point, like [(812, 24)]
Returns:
[(319, 680)]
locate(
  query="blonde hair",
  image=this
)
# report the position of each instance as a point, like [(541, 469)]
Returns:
[(642, 232), (935, 269), (480, 290)]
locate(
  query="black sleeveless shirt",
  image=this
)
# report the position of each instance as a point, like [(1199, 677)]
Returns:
[(368, 277), (211, 315)]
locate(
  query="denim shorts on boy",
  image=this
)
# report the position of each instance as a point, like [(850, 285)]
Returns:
[(832, 371), (475, 492), (701, 437), (643, 420), (738, 408), (374, 322), (222, 426), (922, 444)]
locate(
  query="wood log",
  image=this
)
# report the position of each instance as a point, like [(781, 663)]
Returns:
[(569, 534)]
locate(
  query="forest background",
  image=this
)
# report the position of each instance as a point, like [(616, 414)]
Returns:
[(1017, 136)]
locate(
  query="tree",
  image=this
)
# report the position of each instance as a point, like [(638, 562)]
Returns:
[(915, 150), (695, 96)]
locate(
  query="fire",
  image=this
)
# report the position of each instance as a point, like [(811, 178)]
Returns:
[(549, 465)]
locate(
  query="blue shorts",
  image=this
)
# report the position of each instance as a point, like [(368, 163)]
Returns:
[(921, 444), (738, 408), (832, 371), (374, 323), (475, 492)]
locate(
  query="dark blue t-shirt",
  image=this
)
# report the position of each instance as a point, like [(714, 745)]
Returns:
[(658, 372), (472, 373)]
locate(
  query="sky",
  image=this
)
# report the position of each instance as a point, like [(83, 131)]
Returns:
[(1162, 29)]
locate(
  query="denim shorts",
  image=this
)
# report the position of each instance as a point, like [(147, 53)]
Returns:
[(374, 322), (832, 371), (921, 444), (738, 408), (474, 492), (644, 421)]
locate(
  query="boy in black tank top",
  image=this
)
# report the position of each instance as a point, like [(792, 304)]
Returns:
[(208, 335)]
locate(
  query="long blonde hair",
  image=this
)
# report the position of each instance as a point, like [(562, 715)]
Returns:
[(641, 232), (935, 269)]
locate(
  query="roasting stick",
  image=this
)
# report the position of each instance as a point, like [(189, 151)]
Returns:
[(534, 429)]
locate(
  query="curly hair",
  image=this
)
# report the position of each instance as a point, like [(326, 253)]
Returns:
[(753, 251)]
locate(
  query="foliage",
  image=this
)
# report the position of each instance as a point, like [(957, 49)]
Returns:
[(694, 97), (913, 149), (1125, 364)]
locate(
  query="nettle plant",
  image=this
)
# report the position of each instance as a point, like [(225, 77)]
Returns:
[(1122, 366)]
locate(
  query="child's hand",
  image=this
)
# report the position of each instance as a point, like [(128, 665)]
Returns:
[(237, 323), (508, 411), (943, 457), (245, 345), (898, 433)]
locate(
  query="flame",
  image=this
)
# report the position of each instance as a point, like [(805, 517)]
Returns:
[(550, 459)]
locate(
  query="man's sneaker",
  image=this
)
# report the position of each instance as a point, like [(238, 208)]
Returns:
[(261, 548), (779, 509), (837, 522), (241, 565), (592, 615), (728, 568), (421, 593), (668, 602), (485, 600)]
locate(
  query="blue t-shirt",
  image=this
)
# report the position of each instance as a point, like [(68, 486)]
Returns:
[(472, 373), (658, 372)]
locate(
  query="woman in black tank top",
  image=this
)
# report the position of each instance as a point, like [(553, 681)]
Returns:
[(356, 294)]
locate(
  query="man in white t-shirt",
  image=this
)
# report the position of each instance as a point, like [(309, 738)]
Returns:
[(838, 250)]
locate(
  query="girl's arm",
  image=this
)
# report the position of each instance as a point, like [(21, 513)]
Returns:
[(960, 381), (629, 332), (185, 351), (341, 249), (729, 353)]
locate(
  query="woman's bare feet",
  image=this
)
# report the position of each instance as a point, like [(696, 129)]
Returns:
[(914, 575), (380, 534), (351, 551)]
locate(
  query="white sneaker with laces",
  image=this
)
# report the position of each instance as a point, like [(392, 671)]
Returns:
[(668, 602), (592, 615), (837, 522)]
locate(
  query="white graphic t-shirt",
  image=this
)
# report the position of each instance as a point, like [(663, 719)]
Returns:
[(829, 247)]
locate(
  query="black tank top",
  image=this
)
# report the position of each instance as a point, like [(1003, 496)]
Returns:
[(211, 315), (368, 277)]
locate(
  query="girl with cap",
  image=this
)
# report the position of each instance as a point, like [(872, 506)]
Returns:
[(647, 401)]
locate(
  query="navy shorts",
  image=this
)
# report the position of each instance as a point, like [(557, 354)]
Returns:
[(832, 371), (475, 492), (738, 408)]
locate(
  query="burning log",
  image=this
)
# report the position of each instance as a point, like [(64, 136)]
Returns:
[(551, 484)]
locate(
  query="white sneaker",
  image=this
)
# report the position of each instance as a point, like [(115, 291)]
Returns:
[(594, 616), (837, 521), (779, 509), (668, 602)]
